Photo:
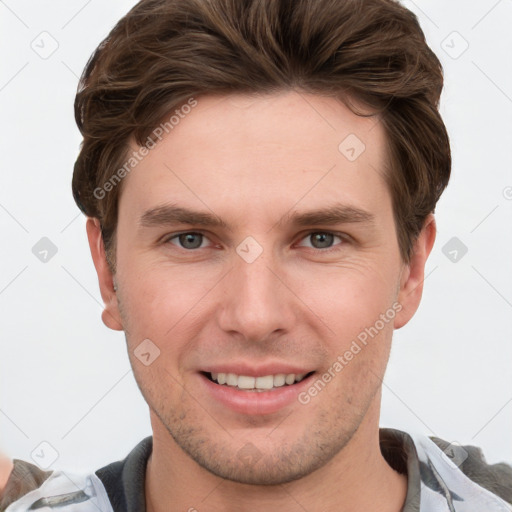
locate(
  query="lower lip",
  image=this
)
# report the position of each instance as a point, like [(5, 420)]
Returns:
[(255, 402)]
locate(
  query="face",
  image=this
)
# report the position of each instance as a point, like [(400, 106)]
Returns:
[(254, 246)]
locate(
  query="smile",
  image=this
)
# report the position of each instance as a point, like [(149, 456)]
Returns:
[(248, 383), (257, 394)]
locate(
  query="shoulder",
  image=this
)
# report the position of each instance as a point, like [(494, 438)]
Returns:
[(118, 486), (17, 478), (124, 480), (496, 478), (451, 475)]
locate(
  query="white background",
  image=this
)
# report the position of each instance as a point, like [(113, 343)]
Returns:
[(66, 379)]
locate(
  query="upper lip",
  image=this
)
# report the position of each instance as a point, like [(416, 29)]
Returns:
[(252, 370)]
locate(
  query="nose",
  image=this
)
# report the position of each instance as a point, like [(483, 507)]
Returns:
[(256, 301)]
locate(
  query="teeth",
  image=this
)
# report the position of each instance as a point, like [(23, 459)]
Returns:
[(266, 382), (246, 382), (257, 383), (231, 379), (279, 380), (290, 379)]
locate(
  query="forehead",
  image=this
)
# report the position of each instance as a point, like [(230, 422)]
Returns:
[(262, 152)]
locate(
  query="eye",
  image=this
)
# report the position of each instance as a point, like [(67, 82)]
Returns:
[(190, 240), (322, 240)]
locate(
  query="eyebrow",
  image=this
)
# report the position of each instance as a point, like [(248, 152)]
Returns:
[(169, 214), (334, 214)]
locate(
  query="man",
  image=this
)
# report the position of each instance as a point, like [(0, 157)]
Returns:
[(260, 178)]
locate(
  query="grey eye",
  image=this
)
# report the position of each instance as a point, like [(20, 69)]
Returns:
[(321, 240), (190, 240)]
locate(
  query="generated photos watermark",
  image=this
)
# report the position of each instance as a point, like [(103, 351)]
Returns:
[(343, 360), (137, 156)]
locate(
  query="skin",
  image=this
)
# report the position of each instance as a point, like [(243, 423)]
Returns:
[(6, 467), (253, 161)]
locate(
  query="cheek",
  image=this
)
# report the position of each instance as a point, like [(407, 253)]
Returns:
[(348, 298), (168, 302), (164, 302)]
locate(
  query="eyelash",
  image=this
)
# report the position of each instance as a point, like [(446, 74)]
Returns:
[(342, 236)]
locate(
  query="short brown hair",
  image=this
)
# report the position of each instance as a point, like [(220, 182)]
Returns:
[(163, 52)]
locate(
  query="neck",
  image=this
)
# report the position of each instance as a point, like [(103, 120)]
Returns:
[(355, 479)]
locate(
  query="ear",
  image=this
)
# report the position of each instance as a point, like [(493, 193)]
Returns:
[(413, 273), (110, 316)]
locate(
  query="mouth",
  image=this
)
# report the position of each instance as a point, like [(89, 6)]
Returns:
[(255, 394), (256, 384)]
